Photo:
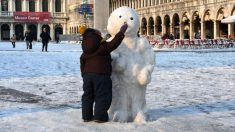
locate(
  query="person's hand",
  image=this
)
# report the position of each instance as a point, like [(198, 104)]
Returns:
[(124, 28)]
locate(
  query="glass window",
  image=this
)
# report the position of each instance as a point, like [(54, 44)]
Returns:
[(45, 5), (57, 5), (4, 4), (32, 5), (18, 5)]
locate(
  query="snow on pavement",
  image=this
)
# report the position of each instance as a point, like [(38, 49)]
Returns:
[(189, 91)]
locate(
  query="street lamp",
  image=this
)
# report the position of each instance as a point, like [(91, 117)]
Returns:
[(85, 9)]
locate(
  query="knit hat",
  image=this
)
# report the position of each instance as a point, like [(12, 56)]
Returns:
[(82, 29)]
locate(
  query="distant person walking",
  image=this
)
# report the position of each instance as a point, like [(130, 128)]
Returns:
[(57, 37), (13, 40), (45, 39), (29, 39)]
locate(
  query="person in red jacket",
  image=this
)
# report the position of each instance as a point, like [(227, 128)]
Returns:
[(96, 69)]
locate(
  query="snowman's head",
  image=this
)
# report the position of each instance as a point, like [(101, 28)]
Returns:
[(121, 15)]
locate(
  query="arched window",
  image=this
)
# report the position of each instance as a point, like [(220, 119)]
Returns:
[(45, 5), (18, 5), (4, 4), (57, 5), (32, 5)]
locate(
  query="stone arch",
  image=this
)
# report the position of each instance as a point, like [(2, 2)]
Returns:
[(208, 24), (158, 25), (207, 15), (233, 11), (5, 32), (186, 25), (33, 30), (222, 29), (151, 26), (143, 26), (221, 13), (175, 25), (19, 32), (58, 31), (167, 22), (196, 19)]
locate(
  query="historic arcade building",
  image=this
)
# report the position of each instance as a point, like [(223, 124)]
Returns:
[(17, 16), (182, 18), (77, 18)]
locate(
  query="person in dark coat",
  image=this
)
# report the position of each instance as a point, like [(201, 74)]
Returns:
[(45, 39), (96, 70), (29, 39), (57, 37)]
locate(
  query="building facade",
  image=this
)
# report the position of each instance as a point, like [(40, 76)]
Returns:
[(182, 18), (17, 16), (77, 18)]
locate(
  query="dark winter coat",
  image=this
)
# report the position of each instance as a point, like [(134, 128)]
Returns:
[(45, 37), (96, 57), (28, 36)]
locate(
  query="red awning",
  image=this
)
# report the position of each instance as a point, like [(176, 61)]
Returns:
[(32, 16)]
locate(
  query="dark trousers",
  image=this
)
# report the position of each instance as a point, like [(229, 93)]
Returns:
[(97, 89), (13, 44), (27, 44), (44, 46), (30, 45)]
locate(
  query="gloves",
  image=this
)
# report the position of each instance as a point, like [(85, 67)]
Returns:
[(124, 28)]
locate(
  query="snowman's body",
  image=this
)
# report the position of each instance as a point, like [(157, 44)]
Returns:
[(133, 63)]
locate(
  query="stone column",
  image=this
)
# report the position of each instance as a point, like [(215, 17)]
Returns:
[(51, 6), (64, 6), (65, 29), (11, 30), (13, 6), (140, 32), (25, 28), (171, 28), (9, 5), (202, 30), (101, 8), (163, 29), (215, 29), (52, 31), (231, 30), (25, 5), (38, 5), (148, 29), (181, 30), (191, 32), (39, 31)]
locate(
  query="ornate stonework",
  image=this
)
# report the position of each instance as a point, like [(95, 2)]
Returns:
[(182, 18), (10, 26)]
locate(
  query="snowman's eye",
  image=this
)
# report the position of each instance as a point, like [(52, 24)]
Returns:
[(131, 18), (120, 16)]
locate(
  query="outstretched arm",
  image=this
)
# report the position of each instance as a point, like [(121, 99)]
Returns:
[(113, 44)]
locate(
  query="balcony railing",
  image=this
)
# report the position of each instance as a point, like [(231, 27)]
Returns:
[(59, 14), (6, 13)]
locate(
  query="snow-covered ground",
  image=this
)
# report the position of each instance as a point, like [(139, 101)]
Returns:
[(41, 91)]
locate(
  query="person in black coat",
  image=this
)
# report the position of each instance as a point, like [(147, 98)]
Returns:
[(29, 39), (45, 39)]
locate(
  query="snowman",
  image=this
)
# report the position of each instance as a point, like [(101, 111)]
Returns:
[(133, 63)]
